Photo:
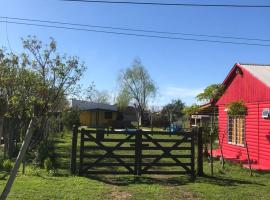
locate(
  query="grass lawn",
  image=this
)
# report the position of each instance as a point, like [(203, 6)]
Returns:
[(231, 183)]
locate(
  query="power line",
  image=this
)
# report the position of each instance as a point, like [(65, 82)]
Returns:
[(7, 38), (136, 30), (137, 35), (171, 4)]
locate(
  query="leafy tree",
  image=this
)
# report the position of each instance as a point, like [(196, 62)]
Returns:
[(137, 86), (173, 110), (123, 100), (212, 92), (189, 110), (57, 77), (18, 94)]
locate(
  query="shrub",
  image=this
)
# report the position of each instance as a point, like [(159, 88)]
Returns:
[(44, 151), (71, 117), (40, 154), (48, 165), (1, 163), (7, 165), (237, 108)]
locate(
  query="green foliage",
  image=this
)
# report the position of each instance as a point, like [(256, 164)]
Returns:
[(212, 92), (1, 163), (7, 165), (173, 110), (237, 108), (189, 110), (45, 150), (48, 165), (35, 84), (71, 117), (123, 99)]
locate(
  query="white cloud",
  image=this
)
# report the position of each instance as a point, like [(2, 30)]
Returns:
[(187, 95), (178, 92)]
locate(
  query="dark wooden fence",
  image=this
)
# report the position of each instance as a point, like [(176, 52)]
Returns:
[(134, 152)]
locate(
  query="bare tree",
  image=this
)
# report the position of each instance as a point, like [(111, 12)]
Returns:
[(137, 86), (96, 96)]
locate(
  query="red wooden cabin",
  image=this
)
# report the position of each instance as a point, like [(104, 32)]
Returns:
[(251, 84)]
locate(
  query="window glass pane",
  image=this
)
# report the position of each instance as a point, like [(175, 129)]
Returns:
[(236, 130)]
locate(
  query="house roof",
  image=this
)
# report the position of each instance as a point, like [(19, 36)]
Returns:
[(259, 71), (87, 105)]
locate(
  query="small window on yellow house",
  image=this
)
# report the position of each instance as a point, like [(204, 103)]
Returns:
[(236, 130), (108, 115)]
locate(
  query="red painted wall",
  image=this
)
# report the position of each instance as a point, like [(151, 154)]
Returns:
[(256, 96), (247, 88), (264, 136)]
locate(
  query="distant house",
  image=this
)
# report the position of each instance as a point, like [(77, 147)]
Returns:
[(95, 114), (250, 133), (205, 116)]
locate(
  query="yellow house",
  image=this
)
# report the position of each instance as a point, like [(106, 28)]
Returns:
[(95, 114)]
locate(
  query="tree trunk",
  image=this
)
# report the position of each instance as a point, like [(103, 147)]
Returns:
[(19, 159), (1, 129), (10, 144)]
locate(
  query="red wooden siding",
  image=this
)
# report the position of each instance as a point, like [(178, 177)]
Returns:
[(264, 136), (256, 96), (251, 131), (247, 88)]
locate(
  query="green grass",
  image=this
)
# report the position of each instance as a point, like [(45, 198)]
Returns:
[(233, 182)]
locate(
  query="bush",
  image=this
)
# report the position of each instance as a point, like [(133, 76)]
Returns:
[(48, 165), (1, 163), (71, 117), (7, 165), (237, 108), (44, 151)]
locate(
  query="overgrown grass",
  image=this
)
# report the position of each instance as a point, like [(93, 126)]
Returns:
[(233, 182)]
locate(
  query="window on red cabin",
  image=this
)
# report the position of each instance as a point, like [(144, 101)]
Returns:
[(236, 130)]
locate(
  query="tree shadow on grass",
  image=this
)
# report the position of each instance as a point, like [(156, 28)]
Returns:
[(124, 180), (169, 180), (223, 181)]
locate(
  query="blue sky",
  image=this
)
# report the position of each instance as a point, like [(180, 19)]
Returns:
[(181, 69)]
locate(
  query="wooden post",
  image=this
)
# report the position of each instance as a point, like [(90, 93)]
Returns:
[(23, 165), (138, 152), (211, 143), (74, 150), (192, 155), (249, 162), (221, 150), (211, 151), (81, 152), (22, 152), (200, 152)]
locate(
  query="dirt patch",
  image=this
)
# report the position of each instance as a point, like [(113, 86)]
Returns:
[(118, 194), (189, 196), (181, 194)]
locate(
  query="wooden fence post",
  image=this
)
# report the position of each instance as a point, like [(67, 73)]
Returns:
[(193, 176), (74, 150), (200, 152), (138, 153), (81, 152)]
